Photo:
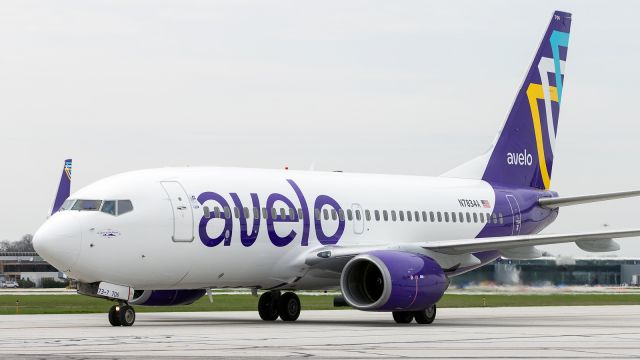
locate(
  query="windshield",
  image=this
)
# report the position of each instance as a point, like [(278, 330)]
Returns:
[(87, 205)]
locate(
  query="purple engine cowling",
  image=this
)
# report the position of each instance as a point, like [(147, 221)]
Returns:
[(389, 280), (166, 297)]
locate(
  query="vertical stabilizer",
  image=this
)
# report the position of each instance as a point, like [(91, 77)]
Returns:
[(522, 154), (64, 188)]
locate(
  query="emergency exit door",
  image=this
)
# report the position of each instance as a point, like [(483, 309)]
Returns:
[(182, 211)]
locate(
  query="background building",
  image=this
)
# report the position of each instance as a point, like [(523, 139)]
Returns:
[(556, 271), (16, 266)]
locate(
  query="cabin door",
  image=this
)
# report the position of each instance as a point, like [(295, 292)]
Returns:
[(182, 211), (515, 214)]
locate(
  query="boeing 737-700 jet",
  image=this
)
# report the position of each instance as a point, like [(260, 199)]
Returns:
[(388, 242)]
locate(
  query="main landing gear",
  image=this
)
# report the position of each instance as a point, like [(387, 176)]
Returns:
[(272, 304), (122, 315), (425, 316)]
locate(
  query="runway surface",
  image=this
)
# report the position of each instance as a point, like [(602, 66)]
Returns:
[(530, 332)]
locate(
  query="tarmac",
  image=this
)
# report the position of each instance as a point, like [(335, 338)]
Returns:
[(520, 333)]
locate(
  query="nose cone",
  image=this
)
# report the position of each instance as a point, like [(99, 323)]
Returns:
[(59, 240)]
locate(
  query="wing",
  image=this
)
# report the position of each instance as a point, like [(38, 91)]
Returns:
[(453, 247), (333, 258)]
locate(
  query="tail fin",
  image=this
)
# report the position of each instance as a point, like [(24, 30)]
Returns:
[(522, 154), (64, 188)]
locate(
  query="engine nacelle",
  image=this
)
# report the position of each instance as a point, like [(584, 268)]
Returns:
[(388, 280), (166, 297)]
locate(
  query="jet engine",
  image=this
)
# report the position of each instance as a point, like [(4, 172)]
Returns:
[(388, 280), (166, 297)]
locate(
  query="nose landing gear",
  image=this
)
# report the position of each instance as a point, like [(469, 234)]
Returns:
[(273, 305), (122, 315)]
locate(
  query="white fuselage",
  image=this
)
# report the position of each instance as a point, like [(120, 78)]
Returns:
[(160, 243)]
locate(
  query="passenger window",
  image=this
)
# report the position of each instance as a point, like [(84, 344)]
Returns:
[(265, 213), (488, 218), (317, 213), (424, 216), (401, 215), (481, 216), (274, 213), (439, 217), (349, 214), (385, 215), (216, 212), (393, 215), (341, 214), (461, 216), (500, 220), (283, 214), (409, 217), (432, 217), (256, 213), (367, 215), (86, 205), (300, 214), (205, 209), (326, 214), (334, 215), (109, 207), (495, 218), (124, 206), (292, 214), (475, 217), (417, 216), (453, 217), (376, 214), (227, 212), (446, 217), (468, 217), (246, 212), (358, 215)]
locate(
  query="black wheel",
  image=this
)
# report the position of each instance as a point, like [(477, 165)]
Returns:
[(114, 320), (126, 315), (289, 307), (403, 317), (426, 316), (268, 306)]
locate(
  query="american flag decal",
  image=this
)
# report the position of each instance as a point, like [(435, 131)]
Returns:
[(485, 203)]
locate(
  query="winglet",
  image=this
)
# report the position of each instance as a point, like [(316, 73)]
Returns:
[(64, 188)]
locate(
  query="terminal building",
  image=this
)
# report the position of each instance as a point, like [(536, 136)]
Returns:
[(16, 266), (560, 271)]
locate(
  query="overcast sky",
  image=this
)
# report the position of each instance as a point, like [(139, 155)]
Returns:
[(400, 87)]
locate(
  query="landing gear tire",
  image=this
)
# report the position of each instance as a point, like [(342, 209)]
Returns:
[(126, 315), (114, 319), (403, 317), (268, 306), (426, 316), (289, 307)]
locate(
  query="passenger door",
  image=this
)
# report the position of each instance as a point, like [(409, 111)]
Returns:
[(516, 216), (182, 211)]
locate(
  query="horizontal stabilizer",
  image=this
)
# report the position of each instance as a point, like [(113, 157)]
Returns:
[(583, 199), (454, 247)]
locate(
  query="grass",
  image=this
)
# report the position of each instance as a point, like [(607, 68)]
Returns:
[(69, 304)]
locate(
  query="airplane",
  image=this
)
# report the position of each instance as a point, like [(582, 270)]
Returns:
[(389, 243)]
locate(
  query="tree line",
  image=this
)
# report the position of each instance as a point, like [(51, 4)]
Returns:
[(25, 244)]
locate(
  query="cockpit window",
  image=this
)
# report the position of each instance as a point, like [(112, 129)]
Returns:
[(124, 206), (109, 207), (66, 205), (87, 205)]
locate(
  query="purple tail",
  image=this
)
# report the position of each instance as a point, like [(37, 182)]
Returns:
[(522, 154), (64, 187)]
